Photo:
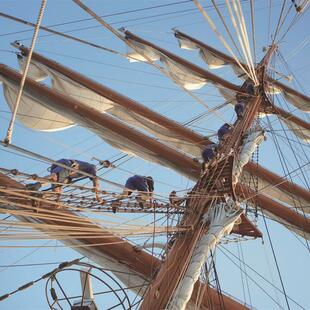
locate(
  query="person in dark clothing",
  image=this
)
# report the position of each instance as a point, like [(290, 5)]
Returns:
[(174, 200), (224, 132), (62, 175), (139, 183), (247, 91), (144, 185), (239, 109), (208, 153)]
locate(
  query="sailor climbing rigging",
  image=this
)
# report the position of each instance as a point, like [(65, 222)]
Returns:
[(224, 132), (208, 153), (143, 184), (62, 175)]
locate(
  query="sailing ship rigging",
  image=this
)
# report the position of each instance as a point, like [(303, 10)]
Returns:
[(169, 261)]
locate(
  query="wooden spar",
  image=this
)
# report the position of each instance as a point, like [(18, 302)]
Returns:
[(116, 248), (123, 101), (229, 59), (179, 130), (179, 34), (288, 215), (201, 72), (172, 158), (292, 118), (186, 164)]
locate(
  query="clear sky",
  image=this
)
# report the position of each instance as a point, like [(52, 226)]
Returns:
[(147, 85)]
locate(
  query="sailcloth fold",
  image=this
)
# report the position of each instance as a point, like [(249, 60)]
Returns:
[(255, 136), (177, 72), (220, 219), (71, 88), (216, 59), (31, 112)]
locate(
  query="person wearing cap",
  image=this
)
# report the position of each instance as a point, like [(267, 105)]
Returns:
[(62, 175)]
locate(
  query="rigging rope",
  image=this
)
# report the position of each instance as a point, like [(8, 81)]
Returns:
[(23, 79), (221, 38)]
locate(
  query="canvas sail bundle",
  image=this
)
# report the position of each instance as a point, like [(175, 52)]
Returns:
[(85, 95), (32, 113), (220, 219), (217, 60), (184, 76), (255, 136)]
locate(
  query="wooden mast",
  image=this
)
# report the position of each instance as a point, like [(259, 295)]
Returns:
[(176, 128), (173, 268)]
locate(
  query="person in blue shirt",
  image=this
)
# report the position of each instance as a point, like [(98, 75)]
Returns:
[(208, 153), (143, 184), (224, 132), (139, 183), (239, 109), (62, 175)]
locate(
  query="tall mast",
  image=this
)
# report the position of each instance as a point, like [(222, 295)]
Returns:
[(167, 280)]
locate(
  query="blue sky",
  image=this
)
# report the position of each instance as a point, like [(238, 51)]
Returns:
[(146, 85)]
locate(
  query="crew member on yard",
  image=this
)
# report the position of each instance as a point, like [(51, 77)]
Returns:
[(144, 185), (62, 175)]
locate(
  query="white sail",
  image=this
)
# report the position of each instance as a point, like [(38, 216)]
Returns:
[(300, 132), (71, 88), (32, 113), (215, 61), (303, 105), (255, 136), (220, 219)]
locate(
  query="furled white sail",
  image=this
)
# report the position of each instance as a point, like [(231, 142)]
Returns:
[(303, 105), (214, 61), (71, 88), (220, 219), (34, 71), (185, 77), (32, 113), (272, 191), (255, 136), (68, 86), (142, 52), (300, 132)]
